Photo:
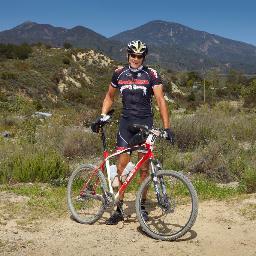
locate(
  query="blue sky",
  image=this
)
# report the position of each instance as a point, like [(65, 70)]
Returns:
[(234, 19)]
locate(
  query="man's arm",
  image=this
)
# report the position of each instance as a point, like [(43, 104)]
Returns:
[(109, 99), (159, 95)]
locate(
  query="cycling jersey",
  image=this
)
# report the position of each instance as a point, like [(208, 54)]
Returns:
[(136, 88)]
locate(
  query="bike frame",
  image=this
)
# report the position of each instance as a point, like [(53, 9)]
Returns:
[(148, 145)]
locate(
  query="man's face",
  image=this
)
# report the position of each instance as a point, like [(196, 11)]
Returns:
[(135, 60)]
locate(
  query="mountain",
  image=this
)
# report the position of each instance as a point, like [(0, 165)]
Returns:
[(81, 37), (184, 43), (172, 45)]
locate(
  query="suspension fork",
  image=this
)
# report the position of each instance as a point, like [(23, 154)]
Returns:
[(159, 181), (154, 170)]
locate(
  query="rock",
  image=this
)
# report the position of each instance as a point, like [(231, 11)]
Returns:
[(42, 114), (6, 134)]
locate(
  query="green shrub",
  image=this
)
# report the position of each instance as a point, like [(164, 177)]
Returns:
[(11, 51), (67, 45), (248, 181), (66, 61), (74, 94), (8, 76), (28, 133), (191, 96), (249, 94), (37, 166), (7, 121), (209, 190), (19, 104)]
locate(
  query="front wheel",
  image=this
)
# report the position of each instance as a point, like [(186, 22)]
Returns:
[(85, 191), (173, 212)]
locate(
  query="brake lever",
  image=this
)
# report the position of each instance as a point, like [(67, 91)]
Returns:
[(164, 134)]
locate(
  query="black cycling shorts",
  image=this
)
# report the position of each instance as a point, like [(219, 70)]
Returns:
[(125, 134)]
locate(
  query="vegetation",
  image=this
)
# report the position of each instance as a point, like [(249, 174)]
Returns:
[(213, 118), (10, 51), (37, 201)]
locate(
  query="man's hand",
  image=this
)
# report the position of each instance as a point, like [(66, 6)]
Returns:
[(170, 135), (96, 125)]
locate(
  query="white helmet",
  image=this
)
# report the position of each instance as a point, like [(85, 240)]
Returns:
[(137, 47)]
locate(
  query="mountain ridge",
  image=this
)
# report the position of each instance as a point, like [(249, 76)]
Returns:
[(171, 44)]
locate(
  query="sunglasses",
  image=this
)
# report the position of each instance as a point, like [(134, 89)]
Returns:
[(136, 56)]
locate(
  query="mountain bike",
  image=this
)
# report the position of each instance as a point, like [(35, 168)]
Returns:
[(171, 199)]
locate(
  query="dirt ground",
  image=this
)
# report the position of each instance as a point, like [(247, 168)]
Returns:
[(222, 228)]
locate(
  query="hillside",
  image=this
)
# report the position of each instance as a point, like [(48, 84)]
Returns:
[(54, 77)]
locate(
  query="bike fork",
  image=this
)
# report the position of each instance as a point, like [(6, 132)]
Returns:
[(159, 186), (154, 169)]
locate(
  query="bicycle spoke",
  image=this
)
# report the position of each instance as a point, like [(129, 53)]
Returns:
[(174, 215), (85, 195)]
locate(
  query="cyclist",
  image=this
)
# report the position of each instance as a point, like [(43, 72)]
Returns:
[(137, 84)]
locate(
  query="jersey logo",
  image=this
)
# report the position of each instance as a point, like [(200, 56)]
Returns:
[(134, 87), (154, 72), (135, 81)]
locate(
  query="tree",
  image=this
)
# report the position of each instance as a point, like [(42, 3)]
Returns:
[(67, 45), (23, 51), (11, 51), (249, 94)]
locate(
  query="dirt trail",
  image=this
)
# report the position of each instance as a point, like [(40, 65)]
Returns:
[(221, 229)]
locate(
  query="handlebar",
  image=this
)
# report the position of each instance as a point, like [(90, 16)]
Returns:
[(157, 132)]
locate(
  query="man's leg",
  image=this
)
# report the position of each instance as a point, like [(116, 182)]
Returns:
[(117, 215), (123, 160), (144, 172)]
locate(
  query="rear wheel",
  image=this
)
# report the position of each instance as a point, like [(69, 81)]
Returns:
[(85, 190), (177, 212)]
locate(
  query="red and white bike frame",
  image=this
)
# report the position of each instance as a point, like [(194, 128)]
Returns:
[(148, 155)]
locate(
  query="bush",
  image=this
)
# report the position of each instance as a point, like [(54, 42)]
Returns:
[(193, 130), (18, 104), (248, 181), (7, 121), (66, 61), (11, 51), (37, 166), (74, 94), (191, 96), (79, 144), (67, 45), (209, 190), (211, 162), (23, 51), (250, 95), (8, 76)]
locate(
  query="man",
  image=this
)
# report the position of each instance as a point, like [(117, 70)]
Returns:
[(137, 84)]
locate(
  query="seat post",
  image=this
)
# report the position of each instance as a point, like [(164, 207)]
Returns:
[(103, 138)]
